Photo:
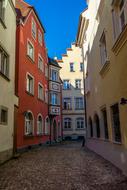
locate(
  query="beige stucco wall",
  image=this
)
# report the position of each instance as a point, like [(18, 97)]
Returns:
[(7, 98), (105, 86), (73, 55)]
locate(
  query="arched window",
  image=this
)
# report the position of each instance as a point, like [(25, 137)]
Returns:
[(67, 123), (39, 124), (29, 122), (47, 125), (91, 127), (80, 123), (97, 124)]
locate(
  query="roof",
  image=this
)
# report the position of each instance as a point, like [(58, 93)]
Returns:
[(53, 62), (23, 9)]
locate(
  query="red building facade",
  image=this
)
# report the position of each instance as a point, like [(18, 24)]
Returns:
[(32, 123)]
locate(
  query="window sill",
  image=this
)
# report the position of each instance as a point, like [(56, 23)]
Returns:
[(117, 143), (105, 68), (67, 89), (30, 58), (40, 100), (30, 94), (4, 76), (82, 129), (67, 109), (78, 109), (29, 136), (3, 23), (67, 129), (120, 41), (4, 124), (40, 135), (72, 71)]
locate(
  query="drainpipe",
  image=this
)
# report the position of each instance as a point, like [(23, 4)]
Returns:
[(85, 107)]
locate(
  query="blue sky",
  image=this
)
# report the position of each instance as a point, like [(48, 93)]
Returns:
[(60, 19)]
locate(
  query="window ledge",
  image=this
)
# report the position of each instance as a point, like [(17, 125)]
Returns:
[(4, 76), (105, 68), (30, 58), (117, 143), (28, 136), (30, 94), (82, 129), (3, 23), (39, 99), (40, 135), (120, 41)]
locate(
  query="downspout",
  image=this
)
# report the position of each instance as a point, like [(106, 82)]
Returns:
[(85, 107)]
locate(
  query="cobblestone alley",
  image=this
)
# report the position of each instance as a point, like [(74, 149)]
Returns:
[(60, 167)]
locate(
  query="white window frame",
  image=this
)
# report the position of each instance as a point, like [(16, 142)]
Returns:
[(68, 84), (67, 120), (28, 74), (40, 35), (29, 131), (54, 77), (81, 104), (69, 104), (80, 119), (34, 33), (31, 44), (40, 129), (39, 97), (41, 67)]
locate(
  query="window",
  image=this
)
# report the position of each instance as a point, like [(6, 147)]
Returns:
[(2, 9), (46, 70), (54, 99), (80, 123), (40, 92), (104, 114), (91, 127), (33, 28), (67, 123), (67, 103), (81, 67), (3, 115), (119, 16), (66, 85), (103, 50), (30, 50), (39, 125), (54, 75), (28, 123), (79, 103), (30, 84), (97, 125), (4, 63), (116, 122), (40, 63), (71, 67), (78, 84), (40, 37), (46, 96)]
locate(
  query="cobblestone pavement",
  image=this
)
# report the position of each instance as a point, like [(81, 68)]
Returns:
[(61, 167)]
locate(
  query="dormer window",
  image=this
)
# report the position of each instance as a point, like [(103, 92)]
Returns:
[(33, 28)]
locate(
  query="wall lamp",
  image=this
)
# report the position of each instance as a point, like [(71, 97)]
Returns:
[(123, 101)]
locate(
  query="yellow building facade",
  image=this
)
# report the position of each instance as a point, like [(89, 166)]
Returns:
[(7, 77), (102, 34), (73, 113)]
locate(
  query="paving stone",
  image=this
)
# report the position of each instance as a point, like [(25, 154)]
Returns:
[(61, 167)]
